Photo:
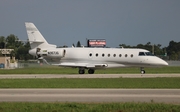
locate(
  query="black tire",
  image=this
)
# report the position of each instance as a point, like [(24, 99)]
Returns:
[(91, 71), (143, 71), (81, 71)]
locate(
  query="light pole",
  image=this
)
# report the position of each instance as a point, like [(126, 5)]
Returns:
[(5, 53), (153, 49)]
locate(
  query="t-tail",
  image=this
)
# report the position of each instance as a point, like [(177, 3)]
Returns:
[(36, 40), (35, 37)]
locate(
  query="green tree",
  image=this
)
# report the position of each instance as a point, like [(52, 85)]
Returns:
[(13, 42), (20, 49), (2, 42), (173, 50), (125, 46), (78, 44)]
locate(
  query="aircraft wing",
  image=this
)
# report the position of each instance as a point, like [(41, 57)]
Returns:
[(85, 65), (89, 65)]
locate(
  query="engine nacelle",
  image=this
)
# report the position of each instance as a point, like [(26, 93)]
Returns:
[(60, 53), (50, 53), (33, 52)]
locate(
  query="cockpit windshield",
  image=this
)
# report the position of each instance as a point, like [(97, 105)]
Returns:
[(145, 54), (149, 54)]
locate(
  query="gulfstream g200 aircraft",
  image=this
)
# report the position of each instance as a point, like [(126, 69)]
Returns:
[(89, 58)]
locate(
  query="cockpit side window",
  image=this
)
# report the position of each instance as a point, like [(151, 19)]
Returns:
[(141, 54)]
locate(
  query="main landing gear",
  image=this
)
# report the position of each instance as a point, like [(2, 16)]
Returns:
[(142, 70), (91, 71), (82, 71)]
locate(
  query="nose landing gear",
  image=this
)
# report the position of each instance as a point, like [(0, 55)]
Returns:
[(142, 70)]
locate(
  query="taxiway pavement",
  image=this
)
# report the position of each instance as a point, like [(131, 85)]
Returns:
[(14, 76), (90, 95)]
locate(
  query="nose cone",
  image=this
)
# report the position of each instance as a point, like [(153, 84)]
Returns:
[(164, 63), (156, 61)]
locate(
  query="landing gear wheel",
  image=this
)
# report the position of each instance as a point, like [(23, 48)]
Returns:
[(91, 71), (143, 71), (81, 71)]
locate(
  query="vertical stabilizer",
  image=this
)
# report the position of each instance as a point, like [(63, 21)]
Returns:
[(35, 37)]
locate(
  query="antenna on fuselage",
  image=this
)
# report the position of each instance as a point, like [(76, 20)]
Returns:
[(121, 47)]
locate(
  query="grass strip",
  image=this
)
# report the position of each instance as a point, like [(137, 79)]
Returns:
[(92, 83), (87, 107), (62, 70)]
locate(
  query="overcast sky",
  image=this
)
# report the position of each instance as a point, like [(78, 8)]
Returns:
[(64, 22)]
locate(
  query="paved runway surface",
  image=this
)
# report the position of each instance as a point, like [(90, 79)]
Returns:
[(90, 95), (8, 76)]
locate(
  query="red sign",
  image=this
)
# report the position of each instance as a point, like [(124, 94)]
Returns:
[(97, 43)]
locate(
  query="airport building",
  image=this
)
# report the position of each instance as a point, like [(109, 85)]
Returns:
[(5, 59)]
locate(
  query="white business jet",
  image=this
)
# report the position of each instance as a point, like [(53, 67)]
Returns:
[(89, 58)]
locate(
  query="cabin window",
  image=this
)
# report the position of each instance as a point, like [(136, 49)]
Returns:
[(103, 55), (131, 55), (126, 55), (96, 54), (114, 55), (120, 55), (109, 55), (90, 54)]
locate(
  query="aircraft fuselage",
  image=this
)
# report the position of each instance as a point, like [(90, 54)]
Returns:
[(111, 57)]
